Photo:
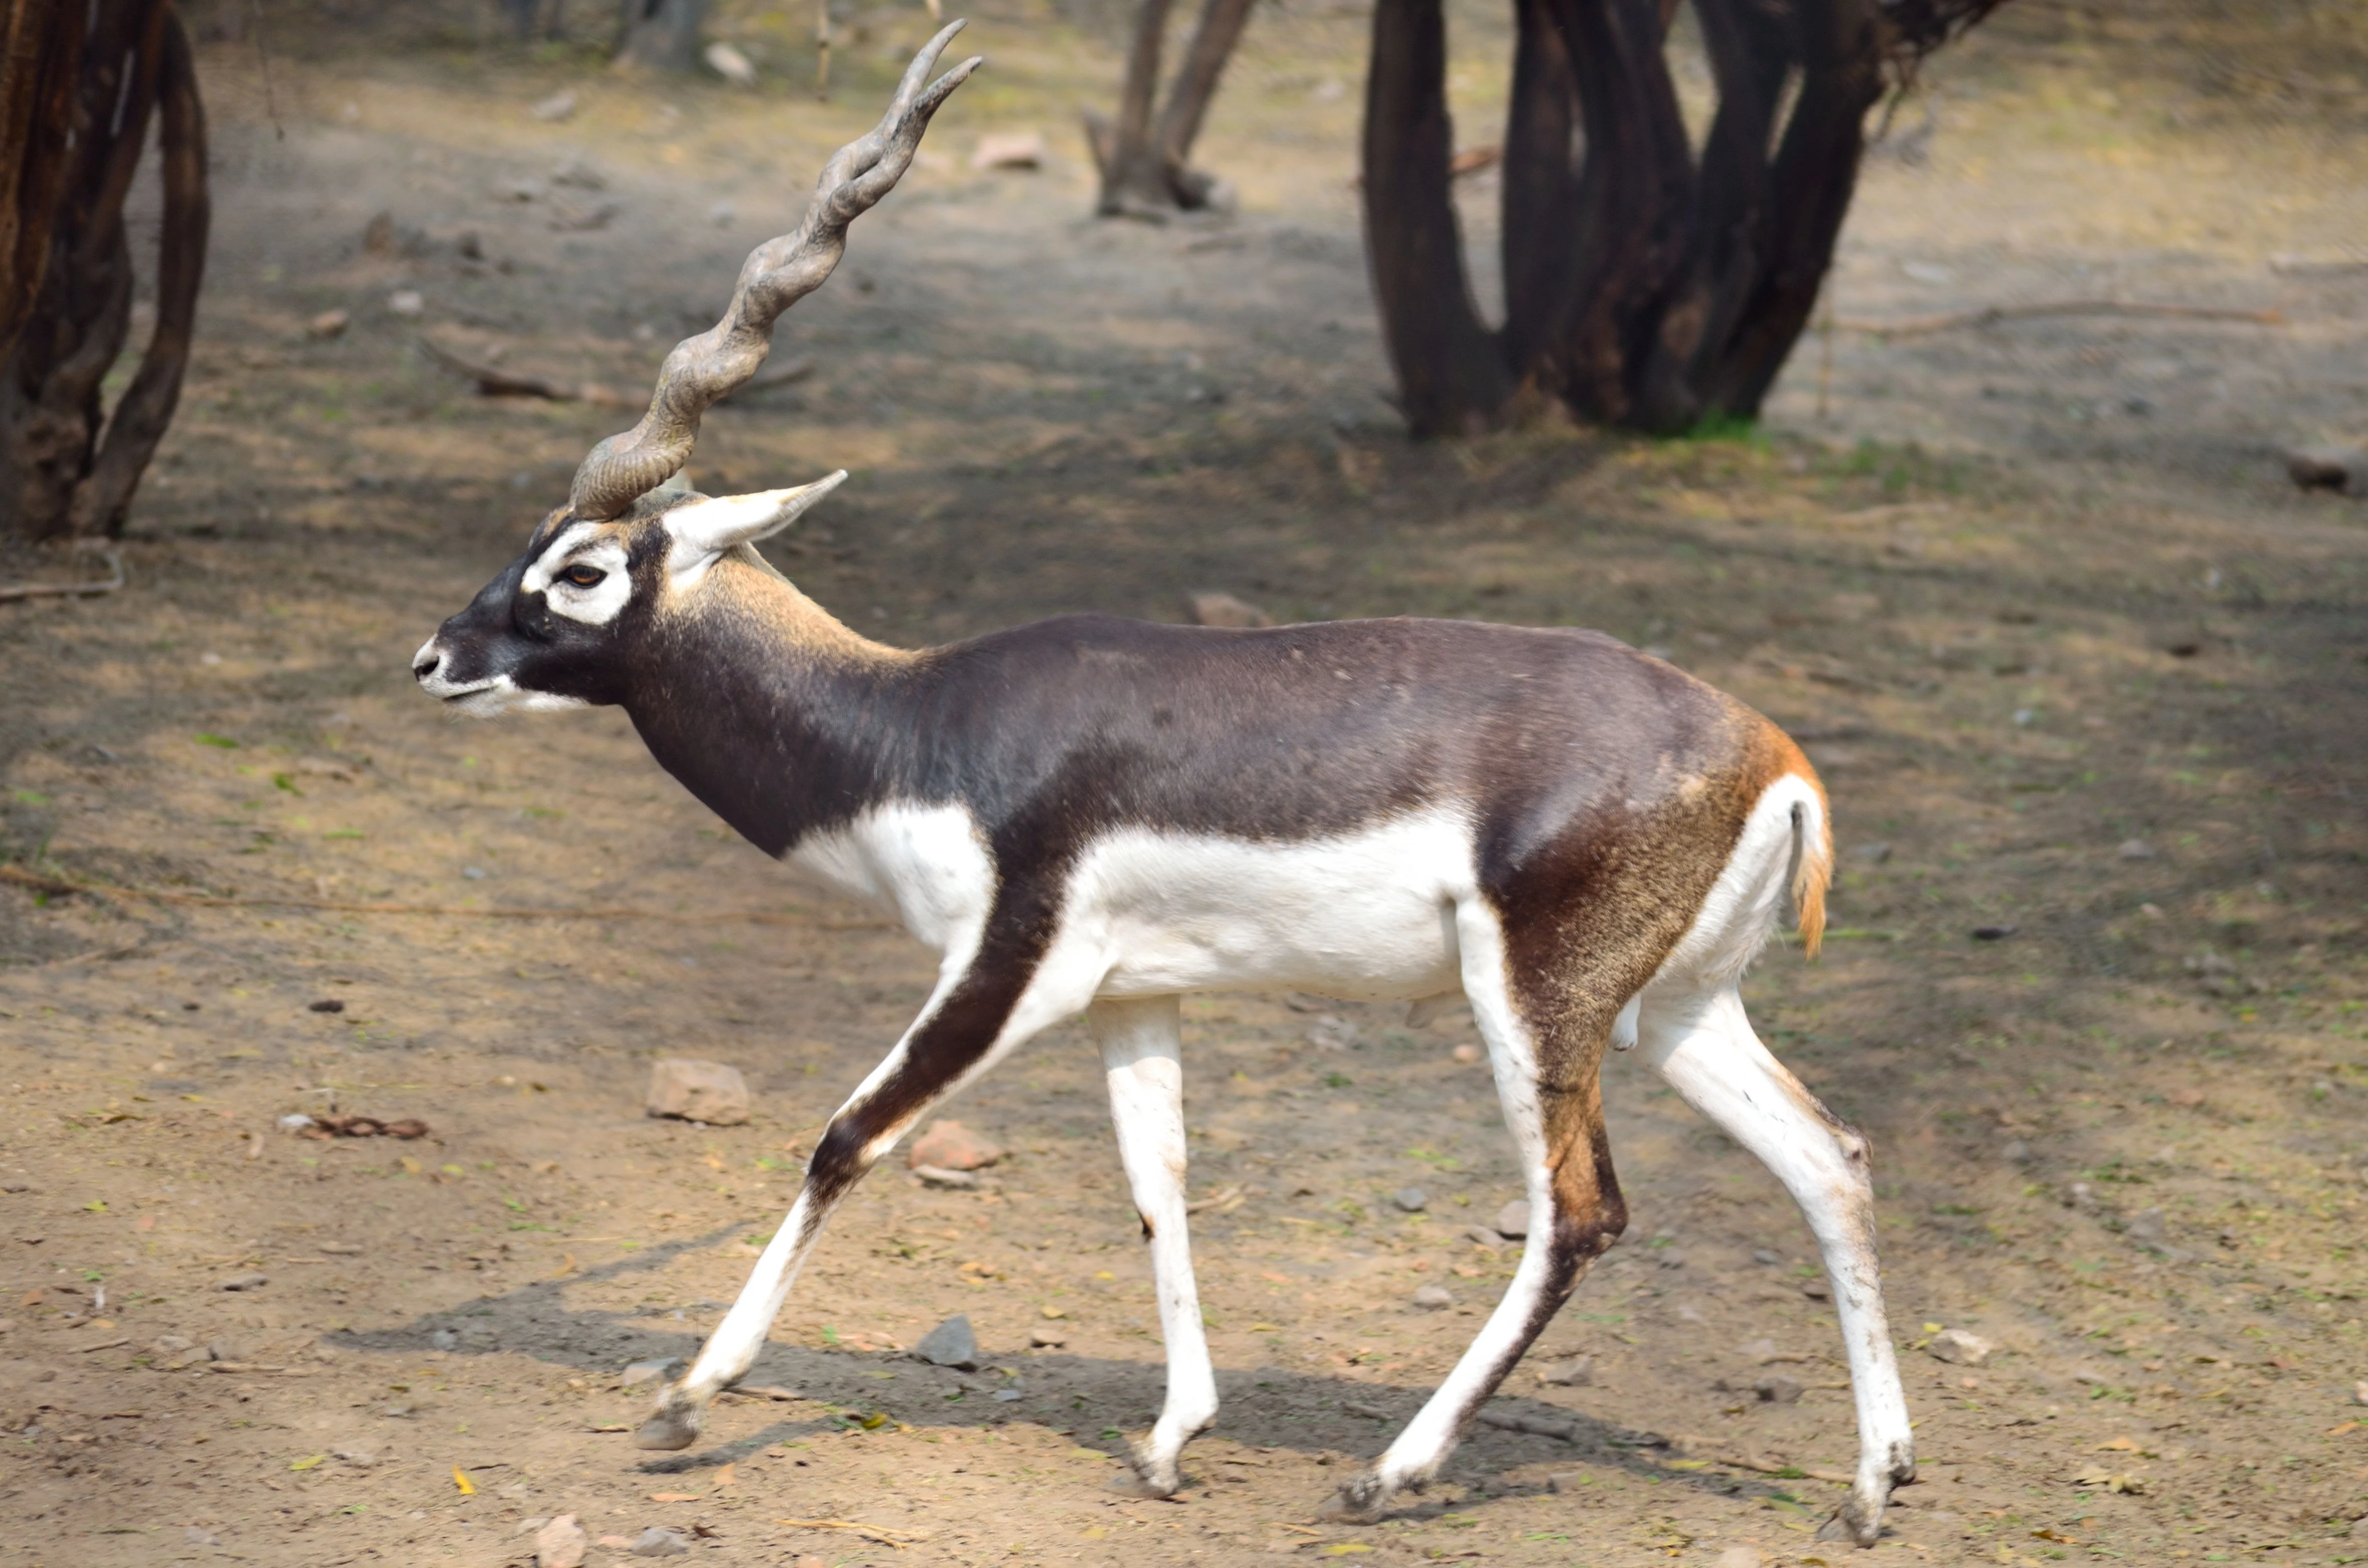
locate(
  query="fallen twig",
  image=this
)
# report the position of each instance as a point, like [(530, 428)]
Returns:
[(1922, 326), (23, 878), (1784, 1472), (880, 1533), (10, 592), (494, 383), (1229, 1198), (226, 901)]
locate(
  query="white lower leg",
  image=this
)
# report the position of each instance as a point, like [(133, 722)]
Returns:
[(739, 1339), (1142, 1056), (1705, 1046)]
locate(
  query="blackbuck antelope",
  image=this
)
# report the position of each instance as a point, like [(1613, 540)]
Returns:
[(1099, 815)]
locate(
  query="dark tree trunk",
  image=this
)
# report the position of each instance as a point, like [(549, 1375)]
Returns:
[(662, 34), (1145, 170), (40, 67), (66, 468), (1452, 375), (1645, 285)]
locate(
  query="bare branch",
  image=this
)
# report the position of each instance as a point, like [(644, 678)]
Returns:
[(776, 275)]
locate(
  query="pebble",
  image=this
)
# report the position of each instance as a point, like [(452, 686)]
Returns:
[(952, 1343), (556, 107), (1025, 150), (951, 1146), (1483, 1235), (1008, 1395), (1467, 1053), (1578, 1372), (1513, 1220), (329, 323), (1873, 853), (243, 1282), (1817, 1290), (1047, 1339), (561, 1543), (731, 65), (642, 1372), (1413, 1200), (407, 302), (1958, 1347), (1764, 1256), (1331, 1033), (1738, 1557), (935, 1175), (2148, 1227), (2016, 1153), (659, 1542), (2360, 1392), (361, 1455), (698, 1091), (1433, 1298), (1778, 1390), (2135, 849), (1563, 1483)]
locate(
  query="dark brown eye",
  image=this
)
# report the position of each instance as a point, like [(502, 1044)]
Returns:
[(583, 576)]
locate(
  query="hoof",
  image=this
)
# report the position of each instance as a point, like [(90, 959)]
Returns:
[(1360, 1502), (665, 1433), (1853, 1525), (1134, 1484)]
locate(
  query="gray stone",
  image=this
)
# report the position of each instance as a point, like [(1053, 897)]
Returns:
[(1432, 1299), (1958, 1347), (1578, 1372), (1413, 1200), (1483, 1236), (698, 1091), (642, 1372), (952, 1343), (659, 1542), (1778, 1390), (2342, 469), (243, 1282), (1764, 1256), (2148, 1227), (1009, 1395), (1513, 1220)]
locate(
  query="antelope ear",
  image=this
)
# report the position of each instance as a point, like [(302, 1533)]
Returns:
[(715, 524)]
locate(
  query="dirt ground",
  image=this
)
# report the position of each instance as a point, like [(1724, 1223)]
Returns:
[(2081, 670)]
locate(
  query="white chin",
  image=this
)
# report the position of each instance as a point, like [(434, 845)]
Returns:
[(499, 697)]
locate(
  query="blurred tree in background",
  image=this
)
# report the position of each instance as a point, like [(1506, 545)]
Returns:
[(79, 87), (1649, 283)]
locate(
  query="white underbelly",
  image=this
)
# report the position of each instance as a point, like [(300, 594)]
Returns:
[(1365, 914)]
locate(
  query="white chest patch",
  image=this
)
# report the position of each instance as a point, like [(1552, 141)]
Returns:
[(926, 864), (1370, 913)]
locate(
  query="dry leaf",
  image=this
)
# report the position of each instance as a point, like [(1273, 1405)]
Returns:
[(468, 1488)]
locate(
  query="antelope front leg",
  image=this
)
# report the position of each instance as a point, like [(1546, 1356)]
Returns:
[(1142, 1055)]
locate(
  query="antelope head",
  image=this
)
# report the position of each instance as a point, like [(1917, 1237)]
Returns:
[(631, 547)]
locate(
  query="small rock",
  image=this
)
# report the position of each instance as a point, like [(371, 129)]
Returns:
[(443, 1339), (361, 1455), (2149, 1227), (731, 65), (659, 1542), (2080, 1195), (1778, 1390), (2135, 849), (296, 1122), (1467, 1053), (1331, 1033), (554, 109), (1563, 1482), (1817, 1290), (951, 1146), (2342, 469), (1433, 1298), (698, 1091), (329, 323), (225, 1348), (378, 234), (1958, 1347), (2360, 1392), (2016, 1151), (1873, 853), (198, 1537), (1672, 1260), (560, 1544), (1047, 1339), (932, 1176), (1763, 1256), (1513, 1220), (1738, 1557), (950, 1344), (1006, 1396), (1010, 150), (1994, 933), (581, 173), (243, 1282), (642, 1372), (170, 1345), (724, 214), (1413, 1200), (325, 1004), (1224, 609), (407, 302), (1482, 1235), (1578, 1372)]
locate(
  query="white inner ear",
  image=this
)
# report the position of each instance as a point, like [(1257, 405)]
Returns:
[(705, 528)]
